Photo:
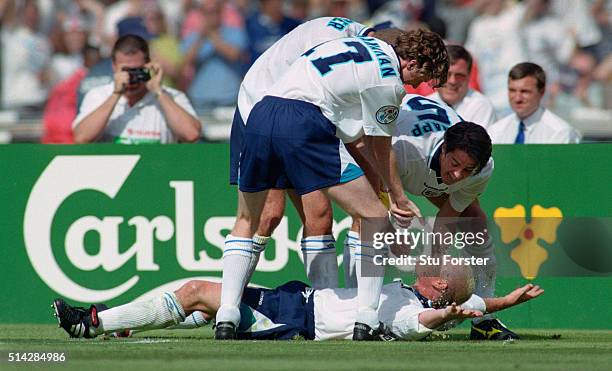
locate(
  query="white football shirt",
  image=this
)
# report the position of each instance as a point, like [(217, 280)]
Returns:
[(275, 61), (417, 141), (335, 311), (354, 81)]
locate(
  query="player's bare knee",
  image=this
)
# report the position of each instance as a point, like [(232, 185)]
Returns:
[(190, 293)]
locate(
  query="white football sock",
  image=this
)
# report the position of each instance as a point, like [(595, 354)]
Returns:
[(259, 245), (194, 320), (351, 243), (237, 256), (370, 278), (319, 253), (159, 312)]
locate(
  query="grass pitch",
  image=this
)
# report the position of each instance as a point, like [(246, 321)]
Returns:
[(195, 349)]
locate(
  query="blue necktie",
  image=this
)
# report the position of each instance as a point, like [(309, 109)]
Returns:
[(520, 137)]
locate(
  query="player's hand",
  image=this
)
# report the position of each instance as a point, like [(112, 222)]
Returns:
[(157, 74), (523, 294), (121, 79), (403, 210), (454, 311)]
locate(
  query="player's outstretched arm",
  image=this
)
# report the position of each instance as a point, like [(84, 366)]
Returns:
[(435, 318), (516, 297)]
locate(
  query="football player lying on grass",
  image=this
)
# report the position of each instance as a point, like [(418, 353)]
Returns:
[(294, 310)]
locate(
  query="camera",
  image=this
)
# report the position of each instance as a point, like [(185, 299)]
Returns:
[(138, 74)]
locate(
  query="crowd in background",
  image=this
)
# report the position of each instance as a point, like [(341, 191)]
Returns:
[(50, 47)]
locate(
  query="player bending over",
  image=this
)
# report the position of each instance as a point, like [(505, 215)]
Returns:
[(448, 161), (336, 92), (318, 243), (296, 310)]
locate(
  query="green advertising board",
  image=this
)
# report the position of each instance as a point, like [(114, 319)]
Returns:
[(108, 223)]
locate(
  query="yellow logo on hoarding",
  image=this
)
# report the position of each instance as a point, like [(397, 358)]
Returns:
[(529, 255)]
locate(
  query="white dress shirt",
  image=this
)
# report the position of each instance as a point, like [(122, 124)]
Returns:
[(474, 107), (542, 127)]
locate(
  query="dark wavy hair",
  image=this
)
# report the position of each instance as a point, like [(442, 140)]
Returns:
[(471, 138)]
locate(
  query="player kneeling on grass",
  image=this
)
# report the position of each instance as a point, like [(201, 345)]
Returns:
[(435, 301)]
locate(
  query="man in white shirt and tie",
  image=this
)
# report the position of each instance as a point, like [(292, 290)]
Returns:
[(530, 123), (470, 104)]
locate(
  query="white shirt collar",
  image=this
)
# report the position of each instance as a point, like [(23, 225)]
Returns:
[(532, 119)]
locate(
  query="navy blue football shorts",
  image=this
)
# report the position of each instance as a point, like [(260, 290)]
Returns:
[(236, 138), (290, 143), (284, 313)]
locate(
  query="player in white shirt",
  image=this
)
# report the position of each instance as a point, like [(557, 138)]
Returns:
[(318, 243), (294, 310), (448, 160), (277, 59), (345, 88), (530, 123), (423, 158), (470, 104)]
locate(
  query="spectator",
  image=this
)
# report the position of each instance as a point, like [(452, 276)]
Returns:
[(547, 41), (61, 107), (174, 13), (457, 14), (102, 72), (119, 10), (266, 26), (74, 35), (133, 110), (469, 104), (231, 16), (89, 12), (352, 9), (530, 123), (25, 58), (401, 13), (300, 10), (165, 48), (493, 39), (215, 52)]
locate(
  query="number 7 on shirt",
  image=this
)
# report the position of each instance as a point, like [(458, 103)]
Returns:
[(359, 55)]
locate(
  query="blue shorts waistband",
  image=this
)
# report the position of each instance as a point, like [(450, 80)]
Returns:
[(279, 100)]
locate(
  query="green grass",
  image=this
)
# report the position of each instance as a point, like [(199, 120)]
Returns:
[(195, 349)]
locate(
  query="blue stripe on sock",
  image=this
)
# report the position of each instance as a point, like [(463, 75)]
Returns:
[(239, 241), (226, 250), (325, 241), (316, 249), (169, 297)]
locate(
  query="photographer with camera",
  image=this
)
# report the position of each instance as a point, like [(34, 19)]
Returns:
[(135, 108)]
